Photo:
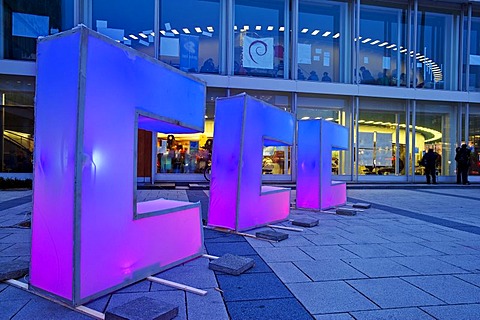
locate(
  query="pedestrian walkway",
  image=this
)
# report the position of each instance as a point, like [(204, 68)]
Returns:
[(414, 255)]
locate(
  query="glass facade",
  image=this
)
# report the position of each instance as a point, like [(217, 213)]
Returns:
[(23, 21), (125, 22), (259, 38), (321, 40), (189, 35), (369, 65)]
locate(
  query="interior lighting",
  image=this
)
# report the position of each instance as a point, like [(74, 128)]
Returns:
[(125, 38), (383, 44), (270, 28), (258, 28), (186, 30), (210, 29), (391, 46), (143, 35), (235, 28), (318, 118), (198, 29), (174, 31), (374, 42), (329, 119), (304, 30), (152, 34), (369, 122), (162, 32), (305, 118), (336, 35), (315, 32), (366, 40), (246, 28), (281, 29), (403, 50), (395, 49), (134, 37), (326, 33)]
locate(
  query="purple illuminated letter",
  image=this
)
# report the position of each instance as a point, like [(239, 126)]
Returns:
[(89, 235), (316, 140), (243, 125)]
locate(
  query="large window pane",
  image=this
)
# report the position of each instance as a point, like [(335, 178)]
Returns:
[(381, 137), (259, 38), (474, 139), (128, 22), (436, 127), (383, 50), (433, 68), (16, 117), (23, 21), (189, 35), (321, 40), (474, 56)]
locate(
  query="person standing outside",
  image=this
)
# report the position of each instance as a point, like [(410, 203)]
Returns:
[(463, 163), (429, 161)]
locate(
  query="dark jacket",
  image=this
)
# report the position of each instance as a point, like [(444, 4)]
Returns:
[(429, 159)]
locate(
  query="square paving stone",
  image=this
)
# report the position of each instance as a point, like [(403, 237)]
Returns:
[(412, 249), (470, 278), (392, 314), (450, 248), (330, 297), (447, 288), (268, 309), (328, 252), (327, 239), (283, 254), (191, 275), (236, 248), (331, 269), (305, 222), (252, 286), (13, 269), (143, 308), (459, 312), (288, 272), (8, 308), (260, 265), (334, 316), (380, 267), (371, 250), (39, 308), (294, 241), (231, 264), (210, 306), (271, 235), (427, 265), (394, 293)]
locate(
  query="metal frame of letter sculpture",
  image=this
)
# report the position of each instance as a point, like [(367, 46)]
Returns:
[(90, 236), (243, 125), (315, 188)]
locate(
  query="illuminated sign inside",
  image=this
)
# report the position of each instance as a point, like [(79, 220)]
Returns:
[(90, 236), (243, 126)]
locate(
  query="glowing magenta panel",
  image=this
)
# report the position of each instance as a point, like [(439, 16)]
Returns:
[(89, 235), (243, 125), (315, 188)]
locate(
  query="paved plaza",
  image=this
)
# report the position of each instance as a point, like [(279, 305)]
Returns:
[(414, 255)]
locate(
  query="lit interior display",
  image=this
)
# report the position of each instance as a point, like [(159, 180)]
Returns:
[(89, 235), (243, 125), (316, 140)]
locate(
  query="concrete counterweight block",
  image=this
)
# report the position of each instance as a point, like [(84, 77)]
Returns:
[(231, 264), (13, 269), (271, 235), (361, 205), (305, 222), (346, 212), (143, 308)]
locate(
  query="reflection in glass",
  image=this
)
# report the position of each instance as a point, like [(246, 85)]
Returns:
[(126, 22), (474, 56), (189, 35), (436, 126), (16, 116), (320, 45), (382, 46), (23, 21), (259, 38), (474, 139)]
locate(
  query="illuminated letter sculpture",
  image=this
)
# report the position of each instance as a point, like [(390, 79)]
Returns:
[(316, 140), (243, 125), (89, 235)]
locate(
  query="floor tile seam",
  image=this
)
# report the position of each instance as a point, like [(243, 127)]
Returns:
[(105, 308), (21, 308), (428, 218), (11, 245), (388, 258), (448, 195), (368, 310), (306, 275), (473, 284), (361, 257), (362, 294), (421, 289), (12, 203), (442, 253)]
